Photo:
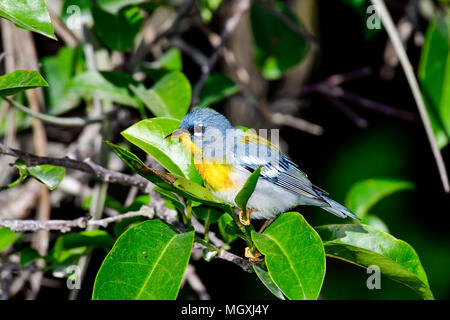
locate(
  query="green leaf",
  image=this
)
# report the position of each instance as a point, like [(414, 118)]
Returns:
[(365, 246), (223, 221), (186, 188), (111, 86), (149, 136), (27, 256), (278, 46), (7, 238), (247, 190), (147, 262), (117, 31), (217, 87), (171, 198), (20, 80), (59, 70), (169, 97), (30, 15), (49, 175), (364, 194), (294, 255), (70, 247), (169, 61), (434, 77), (266, 279), (375, 222), (207, 212)]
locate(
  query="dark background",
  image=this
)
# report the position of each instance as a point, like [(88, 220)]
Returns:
[(345, 154)]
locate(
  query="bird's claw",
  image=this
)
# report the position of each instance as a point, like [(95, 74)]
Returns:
[(252, 256), (244, 220)]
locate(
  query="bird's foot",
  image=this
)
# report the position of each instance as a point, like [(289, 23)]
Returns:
[(252, 256), (245, 220)]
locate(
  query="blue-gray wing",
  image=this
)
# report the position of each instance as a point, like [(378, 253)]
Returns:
[(278, 169)]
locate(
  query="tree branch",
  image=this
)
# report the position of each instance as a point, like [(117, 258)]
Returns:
[(388, 23), (241, 7), (87, 166), (58, 121)]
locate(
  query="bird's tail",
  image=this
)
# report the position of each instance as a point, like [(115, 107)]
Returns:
[(336, 208)]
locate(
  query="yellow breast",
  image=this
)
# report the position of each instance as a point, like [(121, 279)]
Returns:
[(216, 176)]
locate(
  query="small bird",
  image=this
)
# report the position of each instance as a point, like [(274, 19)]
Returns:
[(225, 156)]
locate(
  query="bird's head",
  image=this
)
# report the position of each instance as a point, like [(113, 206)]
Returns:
[(201, 126)]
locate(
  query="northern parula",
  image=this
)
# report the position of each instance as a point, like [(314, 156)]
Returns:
[(225, 156)]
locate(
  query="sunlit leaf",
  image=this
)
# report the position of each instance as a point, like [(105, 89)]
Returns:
[(186, 188), (49, 175), (247, 190), (294, 256), (112, 86), (70, 247), (434, 76), (363, 195), (30, 15), (147, 262), (20, 80), (169, 97), (149, 136), (7, 238), (365, 246), (168, 62)]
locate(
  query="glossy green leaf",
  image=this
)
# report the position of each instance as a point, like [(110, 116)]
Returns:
[(20, 80), (294, 256), (168, 62), (27, 256), (278, 46), (365, 246), (171, 198), (182, 186), (149, 136), (30, 15), (375, 222), (247, 190), (70, 247), (364, 194), (434, 76), (223, 221), (169, 97), (49, 175), (112, 86), (266, 279), (117, 31), (217, 87), (59, 70), (147, 262), (7, 238), (204, 213)]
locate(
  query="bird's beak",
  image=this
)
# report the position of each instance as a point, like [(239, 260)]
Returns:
[(177, 134)]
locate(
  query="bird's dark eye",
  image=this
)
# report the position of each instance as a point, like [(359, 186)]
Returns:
[(191, 130), (199, 130)]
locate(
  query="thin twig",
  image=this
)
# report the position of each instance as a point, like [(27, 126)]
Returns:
[(296, 123), (241, 8), (58, 121), (388, 23), (87, 166)]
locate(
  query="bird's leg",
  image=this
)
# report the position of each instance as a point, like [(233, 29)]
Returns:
[(252, 256), (265, 225), (245, 220)]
